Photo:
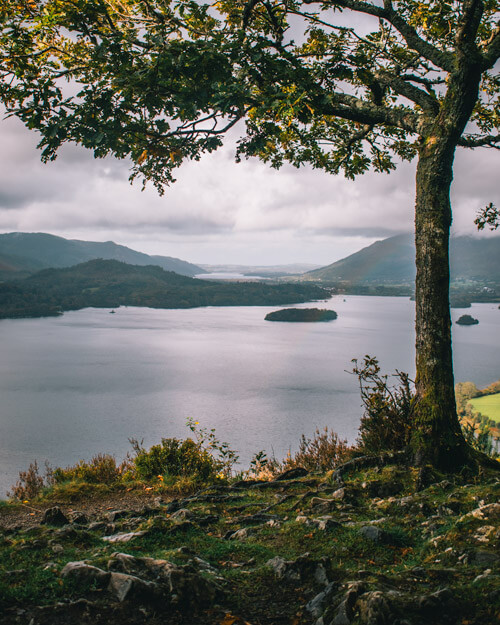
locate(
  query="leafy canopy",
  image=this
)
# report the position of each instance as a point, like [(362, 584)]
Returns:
[(159, 81)]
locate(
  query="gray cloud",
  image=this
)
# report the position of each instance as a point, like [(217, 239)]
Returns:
[(221, 211)]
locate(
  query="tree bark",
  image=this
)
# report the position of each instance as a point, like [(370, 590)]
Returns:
[(437, 437)]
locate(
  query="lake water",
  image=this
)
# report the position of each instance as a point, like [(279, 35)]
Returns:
[(87, 381)]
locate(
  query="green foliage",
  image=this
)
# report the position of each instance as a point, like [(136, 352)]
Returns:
[(173, 458), (324, 452), (205, 459), (386, 422), (110, 284), (101, 469), (31, 483), (480, 438)]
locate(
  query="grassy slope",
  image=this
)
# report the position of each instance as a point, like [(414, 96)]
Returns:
[(419, 557), (488, 406)]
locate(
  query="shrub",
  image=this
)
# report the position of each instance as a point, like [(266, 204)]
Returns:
[(321, 453), (386, 422), (173, 458), (30, 483), (101, 469)]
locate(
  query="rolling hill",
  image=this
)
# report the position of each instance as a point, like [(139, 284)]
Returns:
[(22, 253), (110, 284), (392, 261)]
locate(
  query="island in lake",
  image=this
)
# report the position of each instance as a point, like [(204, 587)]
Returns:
[(467, 320), (301, 314)]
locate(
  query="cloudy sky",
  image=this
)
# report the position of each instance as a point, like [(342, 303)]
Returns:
[(219, 211)]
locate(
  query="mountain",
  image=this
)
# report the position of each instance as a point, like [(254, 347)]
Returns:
[(110, 284), (392, 261), (22, 253)]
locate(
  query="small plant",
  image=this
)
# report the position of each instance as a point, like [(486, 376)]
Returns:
[(101, 469), (30, 483), (322, 453), (225, 457), (386, 422), (173, 457), (479, 437)]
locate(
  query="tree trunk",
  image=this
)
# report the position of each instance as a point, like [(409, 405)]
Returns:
[(437, 437)]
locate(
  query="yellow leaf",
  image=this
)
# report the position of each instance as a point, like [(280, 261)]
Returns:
[(142, 157)]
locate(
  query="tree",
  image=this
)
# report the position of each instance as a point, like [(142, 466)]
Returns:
[(159, 81)]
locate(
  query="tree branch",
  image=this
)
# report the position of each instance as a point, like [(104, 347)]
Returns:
[(474, 141), (357, 110), (401, 87), (492, 52), (441, 59)]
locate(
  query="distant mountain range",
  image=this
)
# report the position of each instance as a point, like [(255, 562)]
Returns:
[(110, 284), (392, 261), (23, 253)]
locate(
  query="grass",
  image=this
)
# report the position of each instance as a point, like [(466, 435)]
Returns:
[(433, 533), (488, 406)]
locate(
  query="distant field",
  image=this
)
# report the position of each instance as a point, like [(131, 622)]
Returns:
[(488, 406)]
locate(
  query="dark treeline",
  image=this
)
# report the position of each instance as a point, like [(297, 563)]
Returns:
[(110, 284)]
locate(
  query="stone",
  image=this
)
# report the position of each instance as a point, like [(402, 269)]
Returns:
[(54, 516), (373, 608), (303, 520), (325, 523), (292, 474), (318, 604), (299, 570), (79, 518), (483, 558), (123, 537), (375, 534), (182, 585), (489, 511), (82, 572), (97, 526), (240, 534), (116, 515), (126, 587), (183, 514)]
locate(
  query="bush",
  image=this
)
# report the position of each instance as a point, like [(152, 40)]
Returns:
[(101, 469), (30, 483), (321, 453), (386, 422), (173, 458)]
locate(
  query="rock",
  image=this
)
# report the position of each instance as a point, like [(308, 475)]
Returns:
[(483, 576), (97, 526), (259, 517), (124, 537), (439, 604), (66, 532), (375, 534), (116, 515), (125, 587), (54, 516), (292, 474), (344, 613), (383, 488), (483, 558), (57, 548), (299, 570), (82, 572), (240, 534), (325, 523), (209, 519), (303, 520), (182, 585), (490, 511), (183, 514), (79, 518), (318, 604), (373, 608)]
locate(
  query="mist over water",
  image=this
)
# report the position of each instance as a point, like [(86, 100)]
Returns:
[(85, 382)]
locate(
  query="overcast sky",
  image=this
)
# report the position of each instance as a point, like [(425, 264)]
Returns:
[(219, 211)]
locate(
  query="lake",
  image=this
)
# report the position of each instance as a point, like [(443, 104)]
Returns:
[(88, 381)]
